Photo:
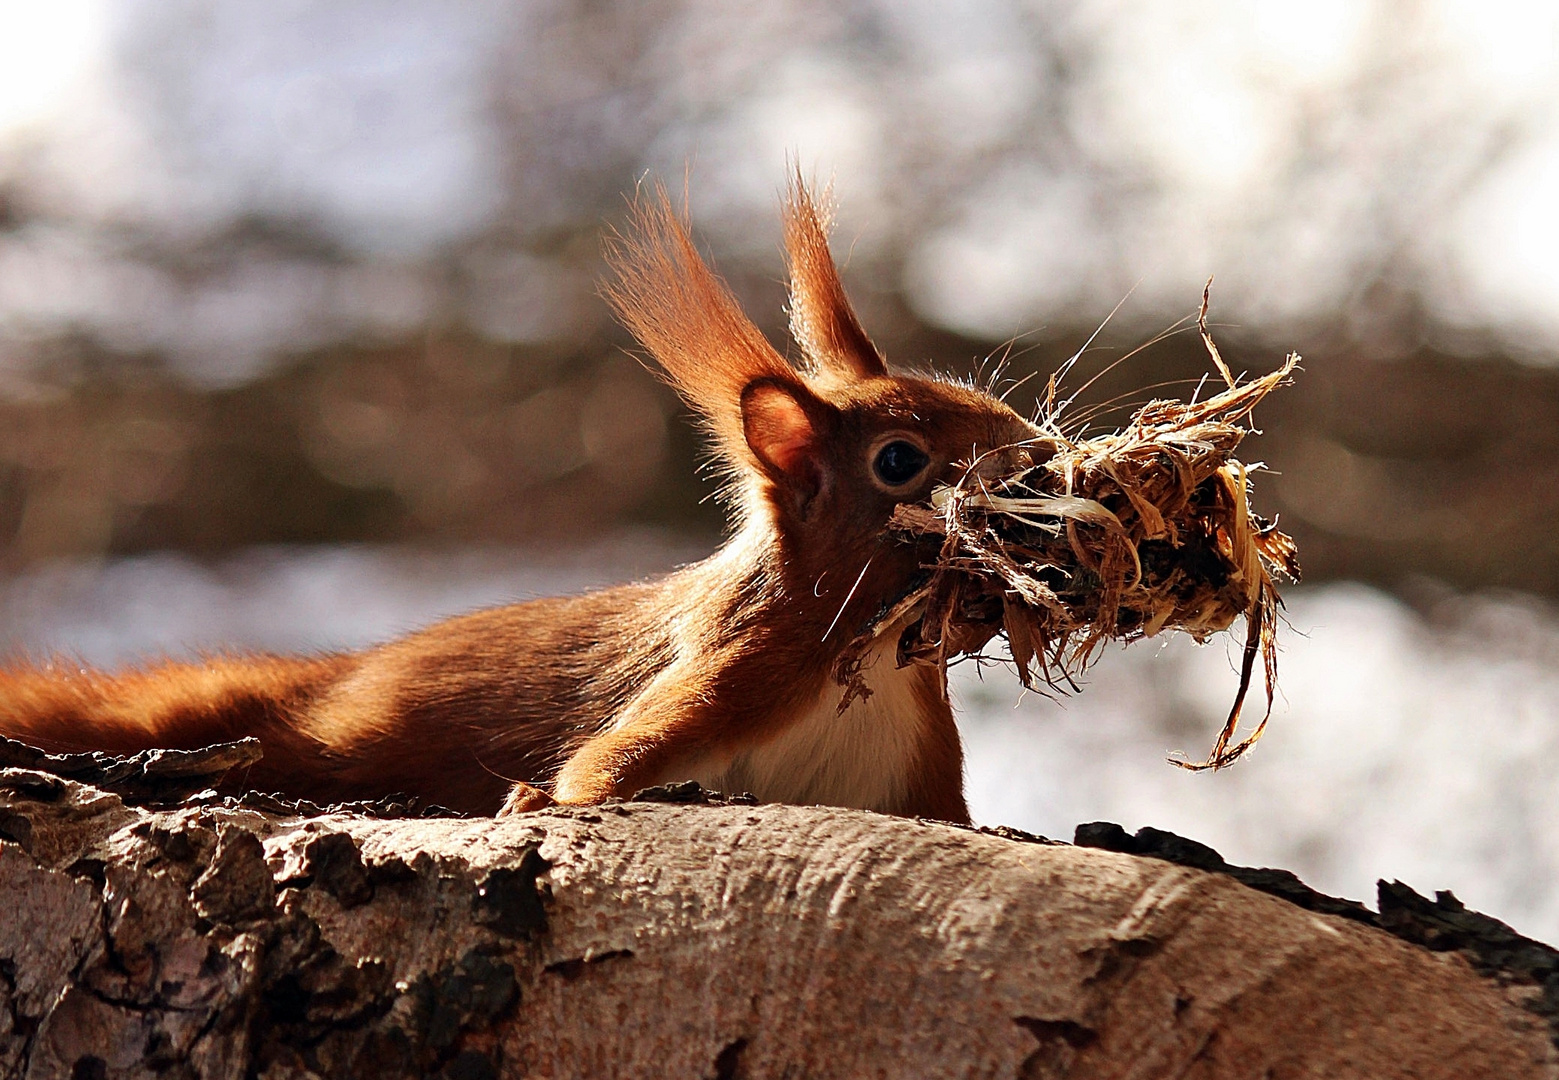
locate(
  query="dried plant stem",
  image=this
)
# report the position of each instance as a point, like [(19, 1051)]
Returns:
[(1062, 544)]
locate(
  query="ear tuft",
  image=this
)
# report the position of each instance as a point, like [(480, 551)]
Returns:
[(821, 318), (686, 317)]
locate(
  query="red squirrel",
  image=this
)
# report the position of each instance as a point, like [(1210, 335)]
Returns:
[(720, 672)]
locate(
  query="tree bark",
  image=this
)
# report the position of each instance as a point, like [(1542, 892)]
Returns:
[(236, 938)]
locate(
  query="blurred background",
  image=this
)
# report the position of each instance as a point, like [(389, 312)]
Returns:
[(300, 346)]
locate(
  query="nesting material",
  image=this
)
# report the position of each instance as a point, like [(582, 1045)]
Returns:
[(1066, 543)]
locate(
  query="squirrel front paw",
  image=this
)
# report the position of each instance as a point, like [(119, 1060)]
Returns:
[(523, 798)]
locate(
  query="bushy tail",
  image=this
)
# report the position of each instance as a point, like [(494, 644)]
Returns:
[(63, 708)]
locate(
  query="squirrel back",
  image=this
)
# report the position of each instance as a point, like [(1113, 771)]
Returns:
[(723, 671)]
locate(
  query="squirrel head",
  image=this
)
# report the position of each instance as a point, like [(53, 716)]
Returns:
[(821, 450)]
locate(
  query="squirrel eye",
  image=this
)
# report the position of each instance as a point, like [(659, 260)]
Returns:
[(899, 462)]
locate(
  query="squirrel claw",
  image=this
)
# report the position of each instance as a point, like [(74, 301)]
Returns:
[(523, 798)]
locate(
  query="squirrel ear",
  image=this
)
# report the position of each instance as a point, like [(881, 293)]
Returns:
[(781, 420), (821, 319)]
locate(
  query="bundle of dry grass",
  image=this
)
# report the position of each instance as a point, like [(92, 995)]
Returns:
[(1065, 543)]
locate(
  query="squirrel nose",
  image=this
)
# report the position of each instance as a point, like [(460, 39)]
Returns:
[(1025, 446), (1021, 448)]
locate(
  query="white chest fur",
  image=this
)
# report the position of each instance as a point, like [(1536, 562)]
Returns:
[(862, 757)]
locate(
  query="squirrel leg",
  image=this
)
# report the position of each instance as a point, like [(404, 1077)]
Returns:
[(621, 762), (671, 720), (681, 717), (669, 724)]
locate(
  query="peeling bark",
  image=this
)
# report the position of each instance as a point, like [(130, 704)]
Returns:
[(243, 938)]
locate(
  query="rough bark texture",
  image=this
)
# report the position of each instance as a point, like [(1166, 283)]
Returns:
[(224, 937)]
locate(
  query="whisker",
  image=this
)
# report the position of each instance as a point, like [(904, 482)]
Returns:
[(1003, 395), (1176, 327), (1110, 404), (1100, 328)]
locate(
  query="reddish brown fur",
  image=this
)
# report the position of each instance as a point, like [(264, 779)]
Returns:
[(821, 318), (722, 671)]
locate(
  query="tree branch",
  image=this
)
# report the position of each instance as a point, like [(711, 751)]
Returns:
[(243, 937)]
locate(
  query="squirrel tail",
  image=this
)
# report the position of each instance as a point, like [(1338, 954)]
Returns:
[(64, 708)]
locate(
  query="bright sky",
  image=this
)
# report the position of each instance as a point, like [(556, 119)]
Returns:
[(47, 51)]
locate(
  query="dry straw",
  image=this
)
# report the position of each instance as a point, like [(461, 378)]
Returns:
[(1065, 543)]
